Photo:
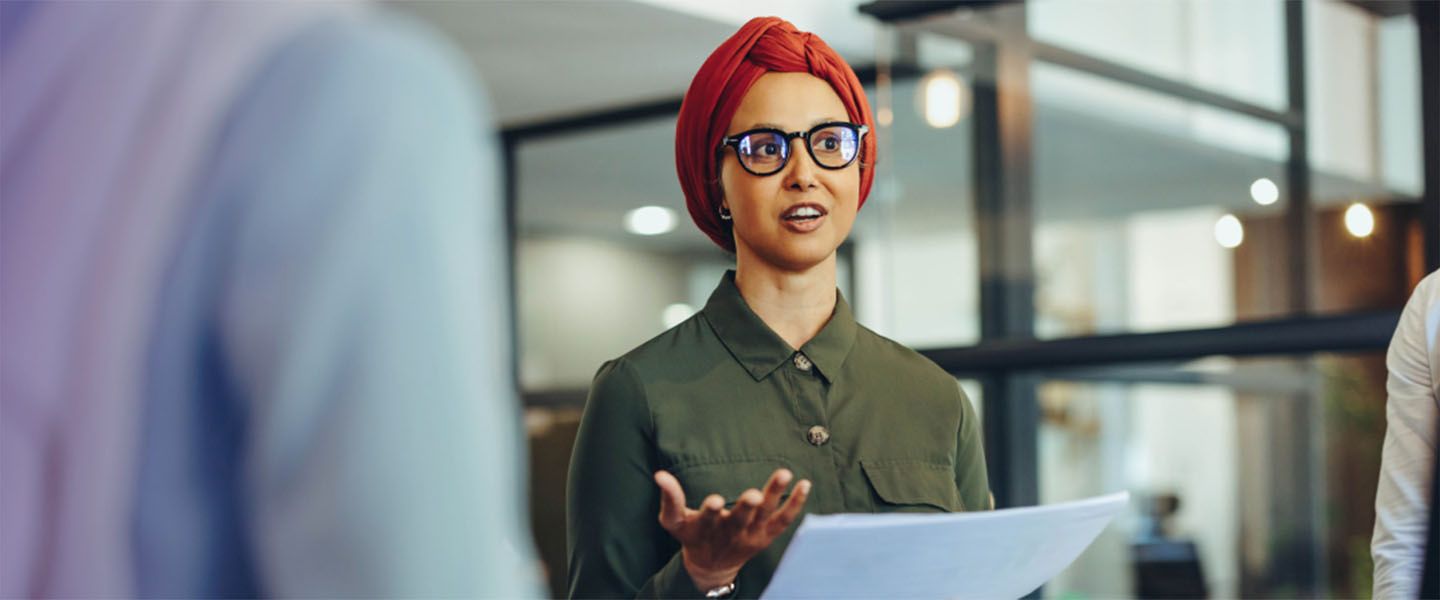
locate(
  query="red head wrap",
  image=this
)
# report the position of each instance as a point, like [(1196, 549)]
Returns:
[(762, 45)]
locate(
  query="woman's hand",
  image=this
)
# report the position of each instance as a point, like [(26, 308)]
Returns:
[(716, 542)]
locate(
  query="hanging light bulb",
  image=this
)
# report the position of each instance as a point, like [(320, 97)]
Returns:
[(1264, 191), (1229, 232), (1359, 220), (944, 98)]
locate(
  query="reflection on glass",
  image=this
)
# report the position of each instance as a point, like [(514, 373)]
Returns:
[(1143, 206), (917, 267), (1363, 118), (605, 250), (1235, 47), (1264, 469)]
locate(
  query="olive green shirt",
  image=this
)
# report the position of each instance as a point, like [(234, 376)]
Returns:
[(721, 401)]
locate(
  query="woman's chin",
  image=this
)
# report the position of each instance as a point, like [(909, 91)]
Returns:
[(790, 253), (798, 258)]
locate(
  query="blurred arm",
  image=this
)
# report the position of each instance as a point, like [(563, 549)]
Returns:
[(1406, 464), (364, 317)]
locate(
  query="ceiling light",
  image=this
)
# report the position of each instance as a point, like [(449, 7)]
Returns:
[(1264, 191), (675, 313), (944, 98), (650, 220), (1229, 232), (1359, 220)]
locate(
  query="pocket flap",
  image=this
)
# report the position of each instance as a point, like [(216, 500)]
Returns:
[(914, 482)]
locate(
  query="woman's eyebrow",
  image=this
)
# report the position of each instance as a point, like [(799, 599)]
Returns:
[(776, 126)]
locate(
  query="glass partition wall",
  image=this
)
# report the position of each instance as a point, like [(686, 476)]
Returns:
[(1197, 223), (1161, 245)]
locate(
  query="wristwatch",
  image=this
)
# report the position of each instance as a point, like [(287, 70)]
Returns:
[(724, 591)]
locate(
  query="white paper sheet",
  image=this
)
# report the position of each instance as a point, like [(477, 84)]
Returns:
[(990, 555)]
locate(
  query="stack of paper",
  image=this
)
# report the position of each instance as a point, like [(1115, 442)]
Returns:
[(999, 554)]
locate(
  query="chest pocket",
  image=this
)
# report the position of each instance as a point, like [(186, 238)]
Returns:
[(913, 486), (728, 479)]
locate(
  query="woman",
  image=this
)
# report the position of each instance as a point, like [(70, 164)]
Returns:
[(775, 156)]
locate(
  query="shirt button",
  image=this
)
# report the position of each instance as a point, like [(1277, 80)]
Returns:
[(802, 363), (818, 435)]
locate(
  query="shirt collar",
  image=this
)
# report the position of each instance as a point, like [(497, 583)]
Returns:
[(760, 350)]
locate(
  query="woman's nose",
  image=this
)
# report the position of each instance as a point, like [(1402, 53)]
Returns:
[(800, 173)]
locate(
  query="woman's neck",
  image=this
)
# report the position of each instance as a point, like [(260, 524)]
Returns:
[(794, 304)]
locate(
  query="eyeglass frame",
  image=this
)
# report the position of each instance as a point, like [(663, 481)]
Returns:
[(734, 142)]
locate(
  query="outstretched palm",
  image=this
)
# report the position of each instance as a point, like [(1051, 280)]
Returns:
[(716, 541)]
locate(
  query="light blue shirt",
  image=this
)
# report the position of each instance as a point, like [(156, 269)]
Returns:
[(327, 407)]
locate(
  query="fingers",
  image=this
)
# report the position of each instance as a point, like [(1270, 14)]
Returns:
[(753, 508), (710, 511), (746, 508), (791, 510), (672, 500), (774, 490)]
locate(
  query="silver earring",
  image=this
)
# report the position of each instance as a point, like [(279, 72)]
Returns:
[(724, 214)]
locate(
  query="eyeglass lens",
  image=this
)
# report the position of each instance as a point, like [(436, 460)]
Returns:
[(766, 152)]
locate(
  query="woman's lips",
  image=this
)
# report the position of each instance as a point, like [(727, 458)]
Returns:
[(804, 225), (804, 218)]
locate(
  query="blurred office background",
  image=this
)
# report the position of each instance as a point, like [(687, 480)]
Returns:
[(1161, 244)]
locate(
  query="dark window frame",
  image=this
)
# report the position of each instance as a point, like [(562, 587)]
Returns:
[(1007, 356)]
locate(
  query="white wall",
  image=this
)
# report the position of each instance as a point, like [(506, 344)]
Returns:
[(1339, 90), (1402, 154), (920, 289), (583, 302), (1179, 277)]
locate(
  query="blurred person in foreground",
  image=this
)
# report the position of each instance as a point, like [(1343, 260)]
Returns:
[(255, 336), (1407, 462)]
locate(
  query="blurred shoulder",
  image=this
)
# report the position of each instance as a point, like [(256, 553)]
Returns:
[(379, 50)]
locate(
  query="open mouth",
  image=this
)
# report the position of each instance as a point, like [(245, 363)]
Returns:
[(803, 213)]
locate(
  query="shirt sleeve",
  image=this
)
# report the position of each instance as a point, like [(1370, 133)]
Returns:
[(616, 545), (1408, 455), (364, 321), (971, 476)]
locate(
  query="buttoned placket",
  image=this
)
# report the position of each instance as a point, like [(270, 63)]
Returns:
[(809, 393), (809, 388)]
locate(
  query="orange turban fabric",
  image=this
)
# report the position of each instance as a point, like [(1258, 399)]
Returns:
[(762, 45)]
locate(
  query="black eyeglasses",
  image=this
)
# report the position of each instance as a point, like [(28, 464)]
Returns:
[(766, 151)]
